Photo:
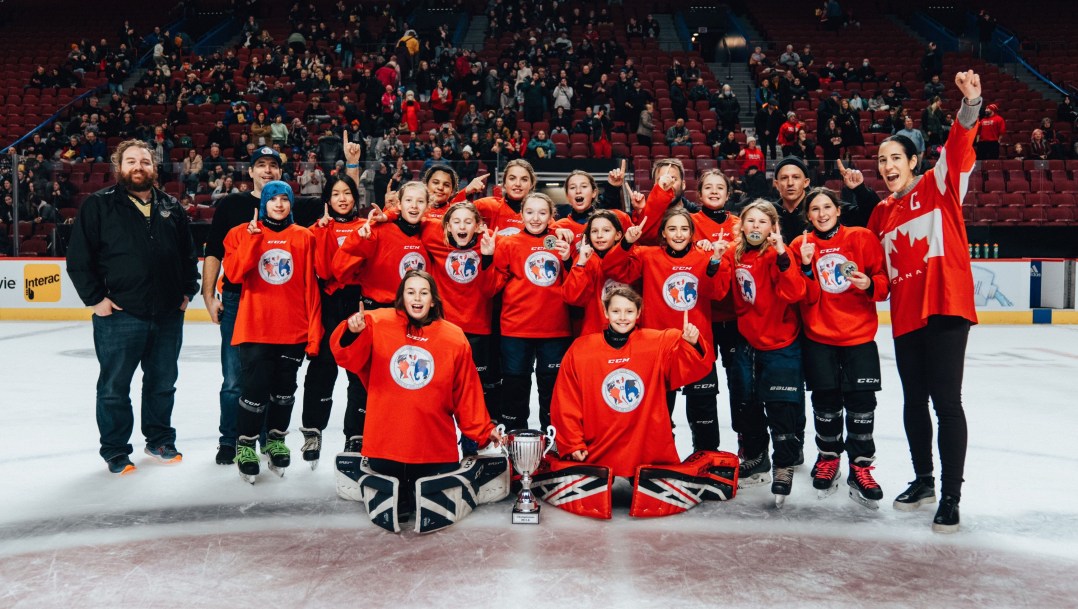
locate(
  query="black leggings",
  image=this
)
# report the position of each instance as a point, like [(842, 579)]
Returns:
[(322, 370), (930, 363), (269, 386)]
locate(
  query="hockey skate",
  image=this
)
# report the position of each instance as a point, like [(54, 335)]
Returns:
[(247, 459), (354, 445), (754, 472), (921, 491), (782, 481), (863, 487), (825, 475), (279, 455), (312, 445)]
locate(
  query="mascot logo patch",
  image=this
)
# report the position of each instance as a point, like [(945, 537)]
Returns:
[(412, 367), (542, 268), (276, 266), (746, 285), (623, 390), (412, 261), (462, 266), (828, 269), (680, 291), (41, 283)]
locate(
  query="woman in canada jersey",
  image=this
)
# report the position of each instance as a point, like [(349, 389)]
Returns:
[(927, 254), (338, 302), (677, 277), (376, 257), (422, 382), (845, 277), (610, 400)]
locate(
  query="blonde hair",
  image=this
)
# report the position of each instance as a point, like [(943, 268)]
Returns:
[(413, 184), (765, 207)]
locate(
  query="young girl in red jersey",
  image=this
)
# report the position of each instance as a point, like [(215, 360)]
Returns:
[(376, 257), (845, 278), (583, 195), (668, 176), (534, 317), (501, 213), (279, 319), (677, 277), (462, 257), (927, 255), (609, 402), (767, 385), (587, 283), (338, 302), (422, 382), (442, 182)]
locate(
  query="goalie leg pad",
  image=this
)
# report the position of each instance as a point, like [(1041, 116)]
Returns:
[(444, 499), (349, 471), (662, 490), (379, 495), (583, 489)]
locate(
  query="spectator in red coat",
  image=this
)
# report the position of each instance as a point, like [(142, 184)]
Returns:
[(992, 128)]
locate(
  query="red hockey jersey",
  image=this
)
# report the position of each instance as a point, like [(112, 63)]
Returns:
[(585, 286), (530, 278), (765, 298), (728, 230), (924, 240), (835, 312), (418, 384), (612, 402), (378, 264), (466, 289), (328, 240), (280, 302)]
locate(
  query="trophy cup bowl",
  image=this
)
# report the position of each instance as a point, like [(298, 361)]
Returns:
[(526, 450)]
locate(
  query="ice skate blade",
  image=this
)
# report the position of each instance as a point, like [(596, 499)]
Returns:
[(861, 500), (910, 507), (314, 464), (780, 500), (754, 480), (824, 493), (248, 478), (277, 470), (946, 529)]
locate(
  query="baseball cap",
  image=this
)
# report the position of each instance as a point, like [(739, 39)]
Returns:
[(263, 152)]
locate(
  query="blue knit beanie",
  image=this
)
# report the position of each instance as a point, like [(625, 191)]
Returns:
[(272, 189)]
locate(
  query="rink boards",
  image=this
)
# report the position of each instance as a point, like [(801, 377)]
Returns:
[(1011, 291)]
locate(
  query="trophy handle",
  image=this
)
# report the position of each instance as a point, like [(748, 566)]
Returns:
[(502, 448), (550, 434)]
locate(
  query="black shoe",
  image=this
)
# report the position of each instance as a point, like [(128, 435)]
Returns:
[(946, 520), (922, 491), (166, 453), (226, 454), (121, 464)]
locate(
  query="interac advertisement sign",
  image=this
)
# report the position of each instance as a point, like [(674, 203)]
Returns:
[(42, 282)]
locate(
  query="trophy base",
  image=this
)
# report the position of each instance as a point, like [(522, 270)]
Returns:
[(526, 517)]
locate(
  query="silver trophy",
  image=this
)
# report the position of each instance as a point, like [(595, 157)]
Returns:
[(526, 450)]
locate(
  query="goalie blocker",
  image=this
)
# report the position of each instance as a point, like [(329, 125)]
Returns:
[(441, 500), (658, 490)]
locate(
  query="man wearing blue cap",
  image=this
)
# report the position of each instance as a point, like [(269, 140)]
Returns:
[(232, 211)]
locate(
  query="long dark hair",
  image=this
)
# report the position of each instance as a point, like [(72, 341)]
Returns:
[(327, 191), (908, 147), (436, 311), (602, 214)]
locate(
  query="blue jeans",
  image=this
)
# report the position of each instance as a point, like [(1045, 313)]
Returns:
[(123, 342), (230, 369)]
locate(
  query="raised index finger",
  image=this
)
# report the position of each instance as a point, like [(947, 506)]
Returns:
[(841, 167), (345, 137), (686, 318)]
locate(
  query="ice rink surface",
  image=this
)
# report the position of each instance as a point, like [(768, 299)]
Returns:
[(195, 535)]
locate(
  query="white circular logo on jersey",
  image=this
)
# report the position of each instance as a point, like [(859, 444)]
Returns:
[(276, 266), (746, 285), (829, 272), (412, 261), (542, 268), (680, 291), (462, 266), (623, 390), (412, 367)]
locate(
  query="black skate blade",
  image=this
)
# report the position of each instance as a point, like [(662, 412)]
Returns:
[(754, 480), (863, 501)]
